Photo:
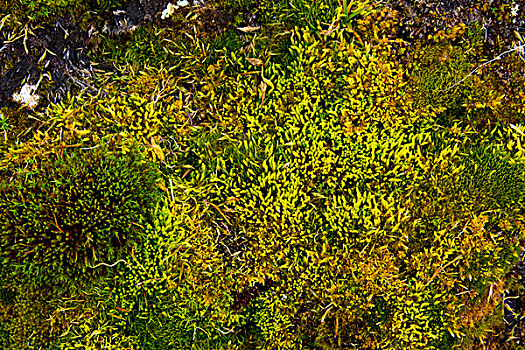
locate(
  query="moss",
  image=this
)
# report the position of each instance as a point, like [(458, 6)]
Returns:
[(24, 321), (493, 180), (306, 162), (321, 189), (46, 11), (439, 69), (17, 125), (226, 42), (7, 296), (158, 299), (76, 210)]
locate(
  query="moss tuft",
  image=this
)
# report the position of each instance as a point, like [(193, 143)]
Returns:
[(76, 210)]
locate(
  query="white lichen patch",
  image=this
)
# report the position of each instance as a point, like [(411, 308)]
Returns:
[(27, 96), (168, 11)]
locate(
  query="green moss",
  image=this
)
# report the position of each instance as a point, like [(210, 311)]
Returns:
[(493, 179), (7, 296), (5, 342), (163, 299), (76, 210), (16, 125), (24, 321), (439, 68), (46, 10), (314, 199), (224, 44)]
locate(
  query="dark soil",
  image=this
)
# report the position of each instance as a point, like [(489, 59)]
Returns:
[(420, 18), (58, 54)]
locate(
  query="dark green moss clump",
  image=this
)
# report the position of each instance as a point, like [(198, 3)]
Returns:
[(492, 179), (76, 210)]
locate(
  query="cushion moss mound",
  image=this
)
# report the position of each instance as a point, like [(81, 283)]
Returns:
[(75, 210)]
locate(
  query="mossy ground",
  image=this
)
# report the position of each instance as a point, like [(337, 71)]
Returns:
[(293, 175)]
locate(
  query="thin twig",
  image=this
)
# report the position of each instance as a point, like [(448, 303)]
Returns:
[(107, 264), (518, 48), (88, 148)]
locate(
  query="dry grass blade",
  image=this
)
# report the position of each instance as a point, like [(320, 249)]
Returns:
[(248, 29)]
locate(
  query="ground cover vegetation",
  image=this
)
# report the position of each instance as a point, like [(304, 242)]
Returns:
[(240, 174)]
